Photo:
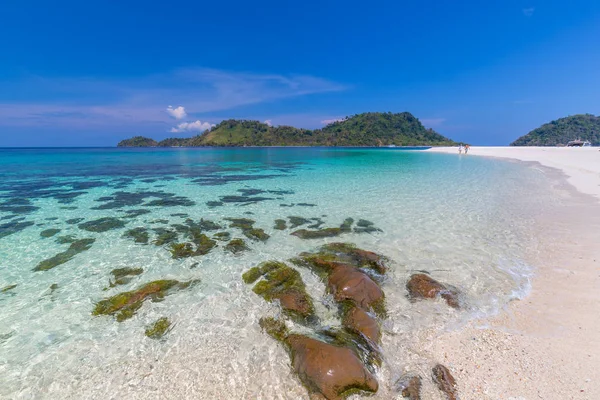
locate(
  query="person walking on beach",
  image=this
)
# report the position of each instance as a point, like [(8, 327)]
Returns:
[(460, 149), (467, 147)]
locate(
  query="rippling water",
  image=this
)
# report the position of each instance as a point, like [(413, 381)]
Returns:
[(465, 220)]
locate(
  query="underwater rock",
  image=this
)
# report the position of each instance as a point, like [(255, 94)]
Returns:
[(359, 321), (326, 258), (364, 226), (159, 328), (349, 283), (247, 227), (124, 305), (445, 381), (331, 371), (222, 236), (13, 226), (236, 246), (76, 247), (160, 221), (282, 283), (182, 215), (213, 204), (136, 213), (306, 205), (165, 236), (123, 276), (204, 225), (243, 199), (280, 224), (410, 387), (139, 235), (65, 239), (203, 245), (49, 232), (256, 234), (251, 192), (102, 224), (74, 221), (421, 286), (297, 221), (7, 288), (345, 227)]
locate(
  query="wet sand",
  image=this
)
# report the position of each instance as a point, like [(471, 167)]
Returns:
[(545, 346)]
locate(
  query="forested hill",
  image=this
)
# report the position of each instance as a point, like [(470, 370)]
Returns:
[(367, 129), (563, 130)]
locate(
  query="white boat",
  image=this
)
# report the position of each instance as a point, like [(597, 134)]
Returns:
[(579, 143)]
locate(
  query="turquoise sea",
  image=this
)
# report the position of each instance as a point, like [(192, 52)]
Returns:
[(468, 221)]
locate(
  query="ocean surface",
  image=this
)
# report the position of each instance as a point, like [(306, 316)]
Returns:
[(466, 220)]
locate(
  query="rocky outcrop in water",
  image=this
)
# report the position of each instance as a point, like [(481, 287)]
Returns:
[(422, 286)]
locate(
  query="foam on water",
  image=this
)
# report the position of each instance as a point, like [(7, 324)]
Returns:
[(465, 220)]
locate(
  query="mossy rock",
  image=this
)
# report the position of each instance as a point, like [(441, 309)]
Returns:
[(49, 232), (102, 224), (345, 253), (274, 328), (181, 250), (280, 224), (76, 247), (236, 246), (222, 236), (203, 244), (124, 305), (256, 234), (297, 221), (123, 276), (139, 235), (65, 239), (165, 236), (365, 226), (284, 284), (159, 328), (8, 288), (74, 221), (241, 223)]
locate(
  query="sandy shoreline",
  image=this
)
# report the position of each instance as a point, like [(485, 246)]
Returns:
[(546, 346)]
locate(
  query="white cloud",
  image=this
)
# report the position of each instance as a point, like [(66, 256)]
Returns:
[(177, 113), (269, 122), (432, 122), (331, 121), (528, 12), (196, 126)]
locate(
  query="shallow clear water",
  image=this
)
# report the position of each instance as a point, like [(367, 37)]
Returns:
[(459, 218)]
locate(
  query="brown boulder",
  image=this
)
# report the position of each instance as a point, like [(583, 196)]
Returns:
[(423, 286), (350, 283), (445, 381), (295, 301), (410, 387), (328, 370), (359, 321)]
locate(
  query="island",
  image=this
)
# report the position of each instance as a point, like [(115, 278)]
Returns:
[(372, 129), (585, 127)]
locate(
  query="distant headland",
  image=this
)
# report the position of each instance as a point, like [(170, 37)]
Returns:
[(373, 129), (562, 131)]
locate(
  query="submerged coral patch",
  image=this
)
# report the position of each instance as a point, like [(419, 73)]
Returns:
[(76, 247), (49, 232), (13, 226), (236, 246), (74, 221), (102, 224), (159, 328), (124, 305), (345, 227), (123, 276)]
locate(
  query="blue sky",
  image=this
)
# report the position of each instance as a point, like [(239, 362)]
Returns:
[(91, 73)]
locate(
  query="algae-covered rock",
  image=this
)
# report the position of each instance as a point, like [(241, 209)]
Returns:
[(236, 246), (123, 276), (139, 235), (222, 236), (76, 247), (280, 224), (7, 288), (49, 232), (74, 221), (445, 381), (165, 236), (282, 283), (345, 227), (124, 305), (327, 370), (296, 221), (421, 286), (201, 245), (344, 253), (14, 226), (65, 239), (181, 250), (364, 226), (102, 224), (359, 321), (159, 328), (256, 234), (274, 328)]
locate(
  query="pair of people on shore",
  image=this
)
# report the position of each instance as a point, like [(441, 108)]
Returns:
[(464, 148)]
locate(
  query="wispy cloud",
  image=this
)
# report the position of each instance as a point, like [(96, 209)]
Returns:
[(528, 12), (196, 126), (331, 120), (88, 102), (432, 122), (177, 113)]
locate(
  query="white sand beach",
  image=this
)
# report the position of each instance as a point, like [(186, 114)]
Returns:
[(546, 346)]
